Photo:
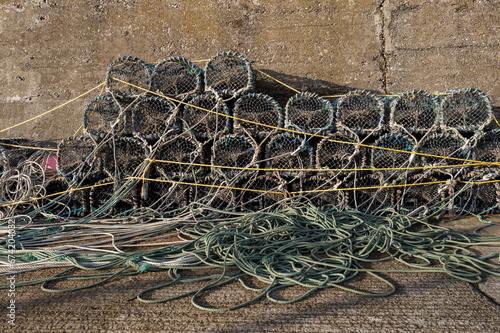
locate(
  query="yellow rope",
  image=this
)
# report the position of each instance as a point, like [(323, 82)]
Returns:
[(495, 118), (52, 110), (269, 76)]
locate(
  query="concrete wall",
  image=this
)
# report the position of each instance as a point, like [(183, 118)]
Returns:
[(53, 50)]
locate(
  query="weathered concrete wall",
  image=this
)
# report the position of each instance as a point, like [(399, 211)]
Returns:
[(53, 50)]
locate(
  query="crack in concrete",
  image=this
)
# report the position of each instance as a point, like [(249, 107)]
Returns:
[(476, 288), (382, 36)]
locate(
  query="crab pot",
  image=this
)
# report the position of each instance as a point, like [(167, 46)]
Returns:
[(177, 77), (181, 148), (261, 192), (103, 115), (74, 203), (365, 192), (393, 160), (257, 108), (123, 156), (77, 159), (214, 191), (416, 111), (12, 152), (204, 124), (289, 152), (321, 191), (474, 193), (234, 150), (229, 74), (310, 113), (101, 196), (152, 117), (337, 152), (441, 145), (487, 148), (361, 112), (164, 195), (131, 70), (466, 110)]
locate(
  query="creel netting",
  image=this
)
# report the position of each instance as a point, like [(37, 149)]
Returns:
[(446, 144), (316, 189), (333, 153), (466, 110), (77, 158), (364, 191), (102, 195), (259, 108), (417, 111), (234, 150), (75, 203), (487, 148), (129, 69), (152, 117), (164, 196), (271, 190), (360, 111), (393, 159), (412, 196), (288, 151), (474, 194), (103, 115), (123, 156), (179, 148), (309, 112), (216, 195)]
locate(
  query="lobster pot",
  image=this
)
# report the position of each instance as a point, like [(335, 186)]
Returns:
[(416, 111), (466, 110), (183, 148), (410, 195), (205, 124), (74, 203), (234, 150), (12, 152), (131, 70), (289, 152), (152, 117), (257, 108), (336, 152), (320, 191), (163, 195), (123, 157), (474, 193), (103, 115), (309, 113), (444, 144), (101, 197), (261, 192), (488, 147), (360, 111), (388, 159), (177, 77), (213, 191), (77, 159), (229, 74), (365, 192)]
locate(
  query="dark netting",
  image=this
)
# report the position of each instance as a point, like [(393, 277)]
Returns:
[(229, 74), (416, 111), (488, 147), (411, 196), (123, 156), (129, 69), (103, 115), (446, 144), (289, 151), (309, 112), (333, 153), (269, 190), (163, 196), (182, 148), (361, 111), (76, 158), (366, 192), (466, 110), (12, 153), (74, 203), (152, 117), (234, 150), (177, 77), (319, 191), (101, 195), (393, 159), (477, 192), (257, 108), (215, 194), (206, 124)]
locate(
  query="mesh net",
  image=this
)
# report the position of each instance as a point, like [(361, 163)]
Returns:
[(258, 108), (234, 150), (411, 197), (416, 111), (368, 194), (488, 147), (153, 116), (392, 159), (322, 198), (131, 70), (271, 189), (205, 124), (103, 115), (309, 112), (164, 196), (76, 158), (229, 74), (75, 203), (446, 144), (215, 195), (179, 148), (11, 153), (337, 155), (177, 77), (102, 194), (288, 151), (124, 156), (477, 196), (361, 111), (466, 110)]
